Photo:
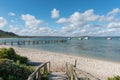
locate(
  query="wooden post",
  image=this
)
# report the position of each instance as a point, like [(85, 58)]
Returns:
[(33, 42), (18, 43), (24, 42), (4, 43), (49, 66), (71, 71), (75, 62), (11, 43), (44, 69), (29, 42)]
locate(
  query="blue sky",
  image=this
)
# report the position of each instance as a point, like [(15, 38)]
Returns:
[(61, 17)]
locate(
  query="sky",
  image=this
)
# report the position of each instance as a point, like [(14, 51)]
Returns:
[(61, 17)]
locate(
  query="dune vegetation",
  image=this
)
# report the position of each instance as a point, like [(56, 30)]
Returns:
[(13, 66)]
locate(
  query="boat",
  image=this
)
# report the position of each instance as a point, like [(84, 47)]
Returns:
[(86, 38), (80, 38), (109, 38), (69, 38)]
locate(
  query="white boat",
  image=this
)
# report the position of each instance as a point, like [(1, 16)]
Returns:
[(86, 38), (80, 38), (69, 38), (109, 38)]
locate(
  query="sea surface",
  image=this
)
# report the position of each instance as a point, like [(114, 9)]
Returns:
[(94, 47)]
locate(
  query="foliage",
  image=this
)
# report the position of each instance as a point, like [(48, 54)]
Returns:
[(10, 54), (7, 34), (45, 75), (13, 66), (10, 70), (114, 78)]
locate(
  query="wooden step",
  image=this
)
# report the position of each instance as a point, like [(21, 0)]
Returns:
[(58, 76)]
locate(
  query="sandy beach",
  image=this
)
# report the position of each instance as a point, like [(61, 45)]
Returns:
[(99, 68)]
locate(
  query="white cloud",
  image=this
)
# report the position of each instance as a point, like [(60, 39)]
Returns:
[(78, 23), (114, 25), (78, 19), (62, 20), (110, 15), (85, 23), (11, 14), (55, 13), (89, 23), (3, 22), (14, 29), (31, 21), (106, 18), (114, 12)]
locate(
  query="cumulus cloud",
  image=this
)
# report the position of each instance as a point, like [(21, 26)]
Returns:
[(86, 23), (14, 29), (114, 25), (11, 14), (3, 22), (114, 12), (55, 13), (31, 21), (78, 19), (78, 23), (106, 18), (89, 23), (110, 16)]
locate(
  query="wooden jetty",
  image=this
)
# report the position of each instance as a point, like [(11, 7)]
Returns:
[(31, 42)]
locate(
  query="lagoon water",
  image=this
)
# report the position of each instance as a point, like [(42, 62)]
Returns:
[(95, 47)]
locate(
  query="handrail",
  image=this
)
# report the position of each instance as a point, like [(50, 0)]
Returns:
[(36, 75), (73, 72)]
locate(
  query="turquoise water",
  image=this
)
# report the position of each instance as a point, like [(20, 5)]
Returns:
[(95, 47)]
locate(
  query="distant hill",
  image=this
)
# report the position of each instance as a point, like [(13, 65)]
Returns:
[(4, 34)]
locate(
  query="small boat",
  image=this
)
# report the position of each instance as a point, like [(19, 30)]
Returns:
[(69, 38), (86, 38), (80, 38), (109, 38)]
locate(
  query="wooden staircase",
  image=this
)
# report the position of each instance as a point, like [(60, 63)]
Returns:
[(72, 73)]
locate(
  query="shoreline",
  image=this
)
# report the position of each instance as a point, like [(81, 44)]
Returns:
[(99, 68), (71, 54)]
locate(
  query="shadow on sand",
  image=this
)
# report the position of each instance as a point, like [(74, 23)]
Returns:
[(35, 63)]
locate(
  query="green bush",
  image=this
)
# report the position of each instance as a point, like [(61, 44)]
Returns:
[(114, 78), (9, 70), (11, 54)]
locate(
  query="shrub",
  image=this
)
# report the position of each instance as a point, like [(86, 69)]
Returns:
[(114, 78), (9, 70), (11, 54), (3, 53)]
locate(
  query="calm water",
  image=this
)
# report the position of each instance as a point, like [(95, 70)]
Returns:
[(99, 47)]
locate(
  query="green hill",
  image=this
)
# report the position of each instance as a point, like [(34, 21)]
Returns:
[(4, 34)]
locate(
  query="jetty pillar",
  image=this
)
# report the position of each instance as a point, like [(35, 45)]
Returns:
[(29, 42), (24, 42), (18, 43), (11, 43), (4, 43)]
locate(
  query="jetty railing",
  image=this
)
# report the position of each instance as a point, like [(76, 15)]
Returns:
[(32, 42), (40, 71), (74, 73)]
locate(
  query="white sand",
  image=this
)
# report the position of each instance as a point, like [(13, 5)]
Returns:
[(98, 68)]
